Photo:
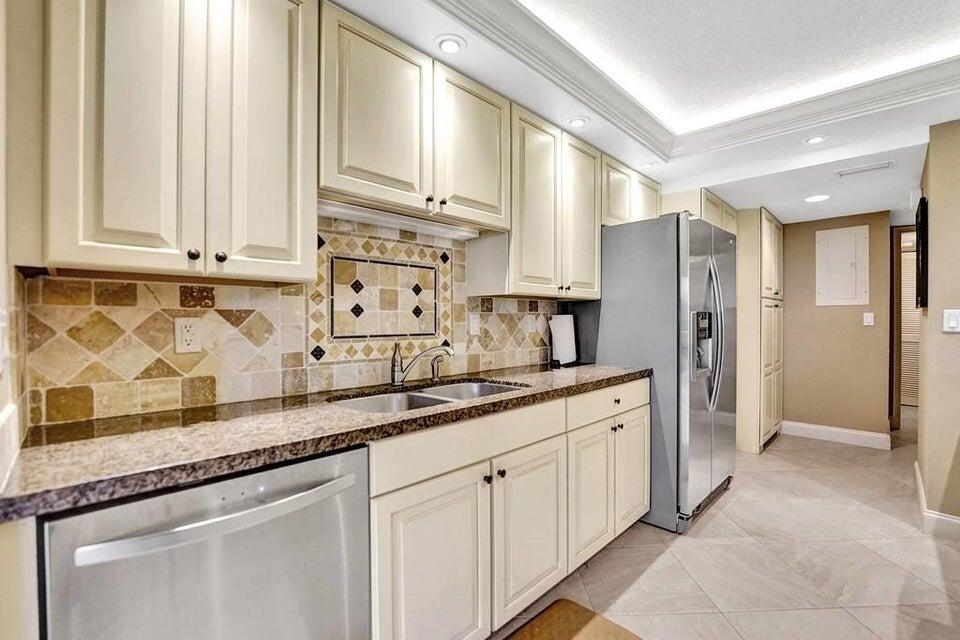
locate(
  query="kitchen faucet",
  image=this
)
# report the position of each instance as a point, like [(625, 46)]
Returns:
[(399, 373)]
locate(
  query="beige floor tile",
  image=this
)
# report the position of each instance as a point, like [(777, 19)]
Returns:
[(775, 460), (783, 520), (639, 535), (570, 588), (822, 457), (860, 521), (853, 575), (778, 485), (637, 580), (810, 624), (903, 508), (710, 526), (862, 483), (678, 626), (935, 561), (912, 622), (747, 576)]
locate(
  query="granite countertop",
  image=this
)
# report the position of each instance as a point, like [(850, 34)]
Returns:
[(63, 467)]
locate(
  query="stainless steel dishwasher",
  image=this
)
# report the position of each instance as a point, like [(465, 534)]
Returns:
[(277, 554)]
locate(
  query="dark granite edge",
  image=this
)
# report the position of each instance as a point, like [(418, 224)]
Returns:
[(61, 499)]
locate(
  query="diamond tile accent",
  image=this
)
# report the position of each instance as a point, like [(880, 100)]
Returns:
[(156, 331), (356, 310), (317, 352), (236, 317), (159, 368), (444, 258), (128, 356), (417, 288), (417, 311), (357, 286), (38, 333), (320, 242), (257, 329), (95, 332)]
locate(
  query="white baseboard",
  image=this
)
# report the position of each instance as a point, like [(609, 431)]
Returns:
[(934, 523), (836, 434)]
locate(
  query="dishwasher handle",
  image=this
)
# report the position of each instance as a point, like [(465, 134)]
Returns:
[(125, 548)]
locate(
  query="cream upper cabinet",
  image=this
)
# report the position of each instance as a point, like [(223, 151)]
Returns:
[(472, 151), (431, 558), (617, 191), (646, 199), (182, 131), (535, 239), (529, 526), (711, 209), (729, 218), (125, 134), (261, 214), (632, 471), (581, 219), (590, 494), (771, 256), (376, 114)]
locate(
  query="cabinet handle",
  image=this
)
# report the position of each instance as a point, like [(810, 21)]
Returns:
[(566, 288), (616, 401), (613, 428), (193, 254), (220, 256), (620, 426), (502, 473), (488, 479), (443, 201)]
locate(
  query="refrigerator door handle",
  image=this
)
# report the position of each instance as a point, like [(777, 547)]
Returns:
[(717, 373)]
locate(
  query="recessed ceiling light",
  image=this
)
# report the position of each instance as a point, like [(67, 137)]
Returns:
[(578, 121), (816, 139), (650, 164), (450, 43), (819, 198)]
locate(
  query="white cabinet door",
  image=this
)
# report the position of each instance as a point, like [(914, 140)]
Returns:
[(711, 208), (430, 558), (590, 482), (125, 122), (778, 394), (632, 460), (647, 198), (768, 405), (262, 215), (472, 151), (581, 219), (768, 335), (778, 260), (376, 120), (529, 526), (771, 256), (617, 191), (729, 218), (535, 243)]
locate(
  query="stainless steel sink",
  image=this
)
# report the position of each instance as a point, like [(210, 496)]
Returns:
[(468, 390), (391, 402)]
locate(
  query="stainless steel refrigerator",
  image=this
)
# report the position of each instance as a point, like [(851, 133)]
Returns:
[(668, 301)]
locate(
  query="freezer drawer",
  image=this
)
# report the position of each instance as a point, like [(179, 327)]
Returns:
[(279, 554)]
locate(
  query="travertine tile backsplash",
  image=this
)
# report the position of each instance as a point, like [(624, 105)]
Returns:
[(104, 347)]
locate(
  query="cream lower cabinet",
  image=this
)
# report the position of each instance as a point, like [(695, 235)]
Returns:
[(529, 525), (431, 558), (632, 471), (181, 137), (609, 487)]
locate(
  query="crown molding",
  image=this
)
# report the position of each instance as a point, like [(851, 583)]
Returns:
[(510, 26), (890, 92)]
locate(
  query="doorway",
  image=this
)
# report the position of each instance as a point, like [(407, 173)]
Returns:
[(905, 328)]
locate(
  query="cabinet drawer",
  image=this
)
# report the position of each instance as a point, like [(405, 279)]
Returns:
[(403, 460), (596, 405)]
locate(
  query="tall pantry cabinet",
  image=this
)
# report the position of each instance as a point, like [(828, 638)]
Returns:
[(760, 329)]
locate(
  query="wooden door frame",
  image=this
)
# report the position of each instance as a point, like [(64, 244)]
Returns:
[(896, 275)]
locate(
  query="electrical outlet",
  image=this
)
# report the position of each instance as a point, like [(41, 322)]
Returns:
[(185, 336)]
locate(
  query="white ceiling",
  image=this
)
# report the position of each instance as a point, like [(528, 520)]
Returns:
[(688, 63), (880, 190), (699, 63)]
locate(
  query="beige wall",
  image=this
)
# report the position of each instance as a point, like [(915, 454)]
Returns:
[(939, 427), (835, 369)]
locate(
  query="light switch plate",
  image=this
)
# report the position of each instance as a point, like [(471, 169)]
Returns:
[(951, 320), (868, 319)]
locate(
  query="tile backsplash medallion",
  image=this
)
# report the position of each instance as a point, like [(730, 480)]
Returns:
[(105, 347)]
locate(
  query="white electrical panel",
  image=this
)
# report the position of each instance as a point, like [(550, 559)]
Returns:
[(951, 320)]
